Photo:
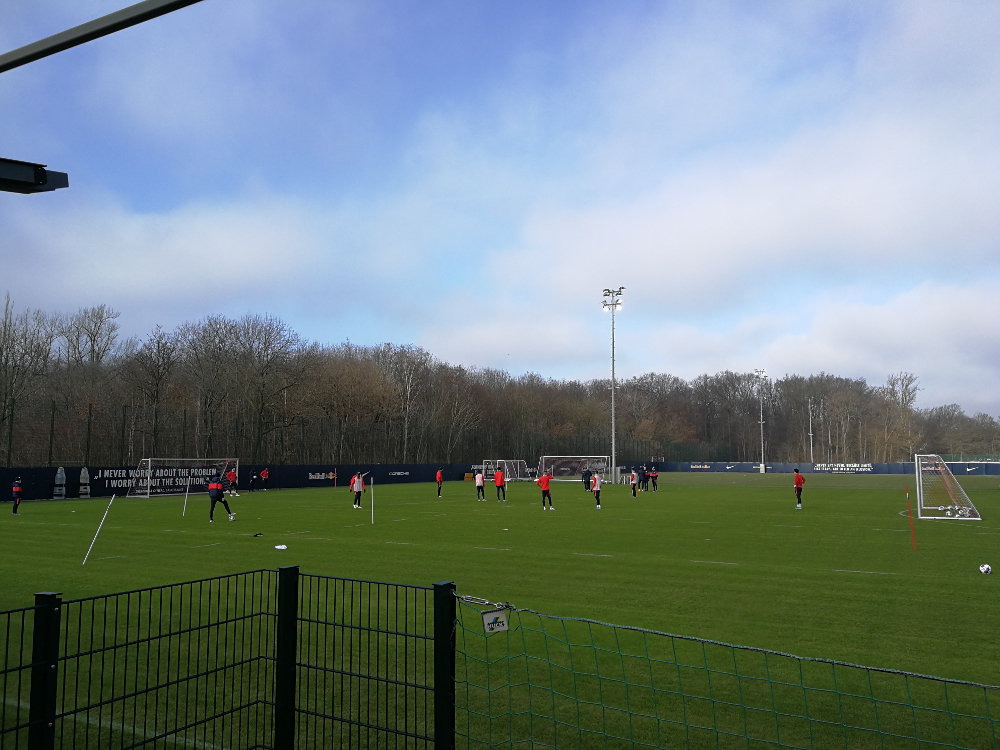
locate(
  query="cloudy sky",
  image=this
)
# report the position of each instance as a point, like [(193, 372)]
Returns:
[(800, 186)]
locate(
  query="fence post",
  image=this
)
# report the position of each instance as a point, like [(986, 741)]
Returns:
[(44, 672), (444, 665), (286, 653)]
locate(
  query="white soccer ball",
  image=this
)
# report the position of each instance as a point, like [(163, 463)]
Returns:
[(985, 569)]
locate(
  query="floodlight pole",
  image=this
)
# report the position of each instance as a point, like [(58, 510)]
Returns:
[(811, 459), (613, 303), (762, 378)]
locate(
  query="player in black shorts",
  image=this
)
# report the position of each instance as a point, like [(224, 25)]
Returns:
[(18, 491), (217, 495)]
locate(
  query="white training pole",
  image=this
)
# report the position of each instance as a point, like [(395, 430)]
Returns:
[(186, 490), (373, 500), (98, 532)]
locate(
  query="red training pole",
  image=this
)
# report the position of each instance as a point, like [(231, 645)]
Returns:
[(910, 510)]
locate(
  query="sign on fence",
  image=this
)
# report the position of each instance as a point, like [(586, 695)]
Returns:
[(495, 621)]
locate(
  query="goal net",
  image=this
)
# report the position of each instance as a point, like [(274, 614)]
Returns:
[(514, 470), (939, 495), (568, 468), (176, 476)]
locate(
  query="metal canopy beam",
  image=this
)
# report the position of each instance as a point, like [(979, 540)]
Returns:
[(109, 24), (28, 177)]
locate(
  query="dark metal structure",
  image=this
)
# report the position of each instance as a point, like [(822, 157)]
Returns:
[(28, 177), (87, 32)]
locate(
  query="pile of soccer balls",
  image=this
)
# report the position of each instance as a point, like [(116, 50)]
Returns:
[(985, 569)]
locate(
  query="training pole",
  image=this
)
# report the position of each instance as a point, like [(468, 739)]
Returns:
[(910, 511), (186, 490), (373, 501), (98, 532)]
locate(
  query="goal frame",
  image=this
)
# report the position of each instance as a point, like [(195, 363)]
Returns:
[(924, 511), (142, 482), (605, 460)]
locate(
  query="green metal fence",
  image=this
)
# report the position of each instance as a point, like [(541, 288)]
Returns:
[(275, 659), (554, 682), (265, 659)]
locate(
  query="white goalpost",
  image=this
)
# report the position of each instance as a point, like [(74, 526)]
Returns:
[(160, 477), (571, 468), (939, 495), (514, 470)]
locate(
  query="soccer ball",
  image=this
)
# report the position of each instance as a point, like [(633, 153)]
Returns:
[(985, 569)]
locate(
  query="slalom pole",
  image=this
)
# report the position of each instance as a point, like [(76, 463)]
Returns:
[(98, 532), (186, 490), (910, 511), (373, 500)]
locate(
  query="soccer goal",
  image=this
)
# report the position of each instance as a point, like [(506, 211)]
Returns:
[(514, 470), (157, 477), (939, 495), (569, 468)]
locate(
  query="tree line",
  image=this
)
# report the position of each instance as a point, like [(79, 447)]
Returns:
[(74, 391)]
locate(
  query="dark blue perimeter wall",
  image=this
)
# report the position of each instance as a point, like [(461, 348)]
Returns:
[(107, 480)]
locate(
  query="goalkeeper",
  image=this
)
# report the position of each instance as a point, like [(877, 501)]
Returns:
[(217, 495)]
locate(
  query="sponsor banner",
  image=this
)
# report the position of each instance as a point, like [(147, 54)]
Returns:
[(845, 469)]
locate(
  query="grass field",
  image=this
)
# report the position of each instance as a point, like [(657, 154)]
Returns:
[(717, 556)]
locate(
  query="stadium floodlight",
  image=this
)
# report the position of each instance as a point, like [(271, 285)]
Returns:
[(612, 303), (939, 495), (27, 177), (762, 380)]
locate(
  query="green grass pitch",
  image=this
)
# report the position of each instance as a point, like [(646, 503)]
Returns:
[(718, 556)]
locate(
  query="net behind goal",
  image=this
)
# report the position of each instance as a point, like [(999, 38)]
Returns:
[(514, 470), (939, 495), (568, 468), (176, 476)]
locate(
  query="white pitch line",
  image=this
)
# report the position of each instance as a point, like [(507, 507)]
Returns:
[(786, 526), (713, 562), (206, 545), (113, 557), (124, 728), (590, 554), (412, 544), (498, 549), (866, 572)]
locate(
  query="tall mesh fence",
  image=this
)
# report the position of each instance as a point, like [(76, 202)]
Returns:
[(554, 682)]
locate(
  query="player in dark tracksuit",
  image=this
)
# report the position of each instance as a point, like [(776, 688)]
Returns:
[(217, 495), (586, 480), (653, 475), (18, 491)]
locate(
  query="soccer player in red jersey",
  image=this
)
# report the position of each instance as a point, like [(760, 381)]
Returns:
[(543, 482), (653, 475), (440, 478), (501, 482), (263, 478), (232, 479), (799, 481)]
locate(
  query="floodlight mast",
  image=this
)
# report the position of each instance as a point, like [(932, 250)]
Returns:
[(762, 379), (612, 303)]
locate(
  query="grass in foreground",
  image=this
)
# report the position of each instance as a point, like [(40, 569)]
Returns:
[(717, 556)]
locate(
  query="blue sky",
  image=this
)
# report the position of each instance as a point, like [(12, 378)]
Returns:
[(801, 186)]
